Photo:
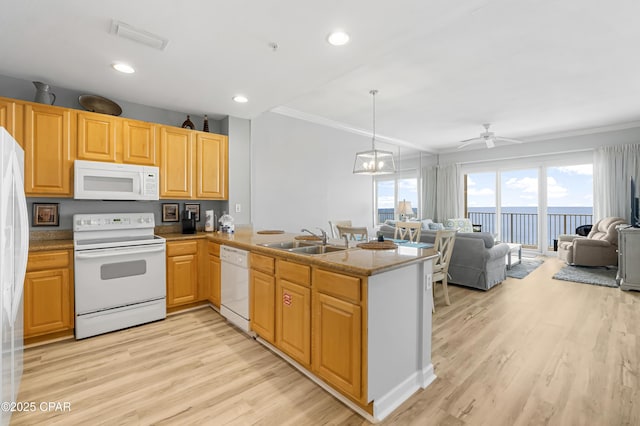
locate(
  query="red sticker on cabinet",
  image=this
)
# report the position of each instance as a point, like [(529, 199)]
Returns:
[(286, 299)]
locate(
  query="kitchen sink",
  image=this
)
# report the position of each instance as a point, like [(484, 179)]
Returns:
[(303, 247), (287, 245), (318, 249)]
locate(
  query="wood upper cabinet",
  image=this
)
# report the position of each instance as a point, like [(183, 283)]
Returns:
[(97, 136), (103, 137), (49, 150), (337, 331), (293, 311), (177, 162), (211, 166), (12, 118), (48, 293), (139, 142), (182, 272)]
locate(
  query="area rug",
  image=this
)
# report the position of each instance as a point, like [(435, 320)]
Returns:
[(588, 275), (523, 269)]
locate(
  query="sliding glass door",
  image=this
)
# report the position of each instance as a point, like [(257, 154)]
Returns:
[(531, 206), (569, 200), (480, 189), (519, 207)]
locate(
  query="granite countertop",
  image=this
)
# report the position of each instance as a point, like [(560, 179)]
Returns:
[(354, 260), (50, 240)]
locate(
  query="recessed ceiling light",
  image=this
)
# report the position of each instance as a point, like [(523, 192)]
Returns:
[(338, 38), (125, 68), (241, 99)]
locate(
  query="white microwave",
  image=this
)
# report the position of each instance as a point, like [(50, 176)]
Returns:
[(96, 180)]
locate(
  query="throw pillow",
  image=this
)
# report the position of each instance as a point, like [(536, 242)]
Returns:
[(425, 224), (436, 226)]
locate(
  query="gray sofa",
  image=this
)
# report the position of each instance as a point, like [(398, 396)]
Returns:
[(476, 260)]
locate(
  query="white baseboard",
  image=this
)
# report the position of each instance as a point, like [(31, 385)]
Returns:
[(382, 406), (386, 404)]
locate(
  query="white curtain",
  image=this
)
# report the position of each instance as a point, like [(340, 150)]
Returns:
[(613, 167), (429, 192), (448, 192)]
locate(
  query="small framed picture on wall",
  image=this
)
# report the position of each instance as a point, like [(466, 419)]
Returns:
[(194, 208), (170, 212), (45, 214)]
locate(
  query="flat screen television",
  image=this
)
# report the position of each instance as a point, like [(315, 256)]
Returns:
[(635, 208)]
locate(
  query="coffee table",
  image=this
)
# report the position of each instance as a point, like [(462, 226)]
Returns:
[(514, 248)]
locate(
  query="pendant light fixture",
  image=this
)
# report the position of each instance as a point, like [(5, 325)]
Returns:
[(374, 162)]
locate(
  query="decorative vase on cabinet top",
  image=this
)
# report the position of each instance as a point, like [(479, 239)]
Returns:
[(43, 93)]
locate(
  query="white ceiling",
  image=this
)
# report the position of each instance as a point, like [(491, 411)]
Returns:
[(442, 67)]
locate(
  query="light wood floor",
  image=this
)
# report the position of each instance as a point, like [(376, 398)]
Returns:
[(531, 351)]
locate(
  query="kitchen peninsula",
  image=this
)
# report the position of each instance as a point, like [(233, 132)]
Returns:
[(355, 321)]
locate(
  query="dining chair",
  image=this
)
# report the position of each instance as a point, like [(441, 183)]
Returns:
[(408, 231), (356, 233), (334, 223), (443, 245)]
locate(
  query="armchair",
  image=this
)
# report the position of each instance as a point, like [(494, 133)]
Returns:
[(599, 248)]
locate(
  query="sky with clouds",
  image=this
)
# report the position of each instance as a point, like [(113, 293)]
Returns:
[(569, 186), (407, 190)]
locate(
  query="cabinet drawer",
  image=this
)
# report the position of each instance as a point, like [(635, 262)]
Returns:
[(49, 260), (338, 285), (263, 263), (294, 272), (181, 248), (213, 249)]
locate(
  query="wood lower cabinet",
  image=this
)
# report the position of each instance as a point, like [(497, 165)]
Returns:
[(293, 310), (213, 273), (177, 163), (262, 294), (97, 136), (182, 273), (337, 331), (12, 118), (50, 135), (48, 293), (211, 166)]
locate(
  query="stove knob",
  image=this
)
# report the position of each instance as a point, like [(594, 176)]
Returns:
[(140, 220)]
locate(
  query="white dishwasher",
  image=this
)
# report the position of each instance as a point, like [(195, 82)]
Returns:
[(234, 293)]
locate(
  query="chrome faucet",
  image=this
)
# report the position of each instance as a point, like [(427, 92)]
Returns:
[(346, 240), (323, 235)]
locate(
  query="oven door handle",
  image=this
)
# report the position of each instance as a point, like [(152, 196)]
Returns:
[(118, 252)]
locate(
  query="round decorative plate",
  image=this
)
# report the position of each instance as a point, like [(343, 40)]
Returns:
[(95, 103), (378, 245)]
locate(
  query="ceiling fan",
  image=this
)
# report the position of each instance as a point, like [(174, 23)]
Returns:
[(489, 138)]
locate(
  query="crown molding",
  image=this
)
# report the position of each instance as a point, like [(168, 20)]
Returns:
[(316, 119), (582, 132)]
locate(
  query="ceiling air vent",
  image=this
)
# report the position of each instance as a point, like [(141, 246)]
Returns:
[(139, 36)]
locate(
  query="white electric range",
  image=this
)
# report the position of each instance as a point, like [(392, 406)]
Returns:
[(120, 272)]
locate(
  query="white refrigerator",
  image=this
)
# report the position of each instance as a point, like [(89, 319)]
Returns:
[(14, 249)]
